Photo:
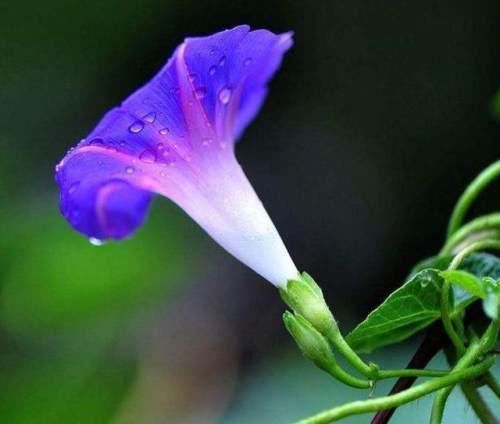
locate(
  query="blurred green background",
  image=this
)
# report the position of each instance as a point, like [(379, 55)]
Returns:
[(381, 114)]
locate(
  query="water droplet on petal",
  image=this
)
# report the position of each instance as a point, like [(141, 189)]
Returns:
[(212, 52), (225, 95), (200, 92), (192, 77), (222, 61), (163, 151), (129, 170), (96, 141), (72, 188), (247, 61), (136, 127), (147, 156), (211, 70), (95, 241), (164, 131), (150, 117)]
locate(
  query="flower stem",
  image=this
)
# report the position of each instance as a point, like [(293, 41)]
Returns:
[(475, 350), (474, 247), (477, 403), (340, 374), (487, 226), (470, 194), (391, 401), (371, 370), (383, 374), (445, 291), (492, 383), (447, 321), (335, 337), (432, 343)]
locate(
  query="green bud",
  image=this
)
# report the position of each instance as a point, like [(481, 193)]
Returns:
[(305, 297), (310, 341)]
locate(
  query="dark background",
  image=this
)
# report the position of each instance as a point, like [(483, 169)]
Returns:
[(381, 114)]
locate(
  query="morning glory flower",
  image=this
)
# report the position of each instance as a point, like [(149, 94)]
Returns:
[(175, 137)]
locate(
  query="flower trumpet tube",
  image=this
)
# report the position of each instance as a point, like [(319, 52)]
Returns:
[(175, 137)]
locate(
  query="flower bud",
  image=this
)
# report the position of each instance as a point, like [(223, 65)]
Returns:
[(305, 297), (310, 341)]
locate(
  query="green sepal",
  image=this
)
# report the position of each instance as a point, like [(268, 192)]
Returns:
[(305, 298), (310, 341)]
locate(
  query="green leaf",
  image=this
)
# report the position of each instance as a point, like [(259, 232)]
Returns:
[(465, 281), (416, 304), (434, 262), (410, 308)]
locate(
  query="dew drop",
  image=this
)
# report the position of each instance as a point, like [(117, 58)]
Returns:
[(150, 117), (225, 95), (211, 70), (147, 156), (95, 241), (212, 52), (200, 92), (425, 281), (222, 61), (73, 187), (192, 77), (247, 61), (136, 127), (164, 131), (163, 152), (129, 170), (96, 141)]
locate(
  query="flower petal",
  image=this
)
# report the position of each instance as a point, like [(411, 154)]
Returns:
[(231, 70), (174, 137), (95, 198)]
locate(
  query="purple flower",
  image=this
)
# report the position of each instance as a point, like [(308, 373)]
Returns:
[(175, 137)]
